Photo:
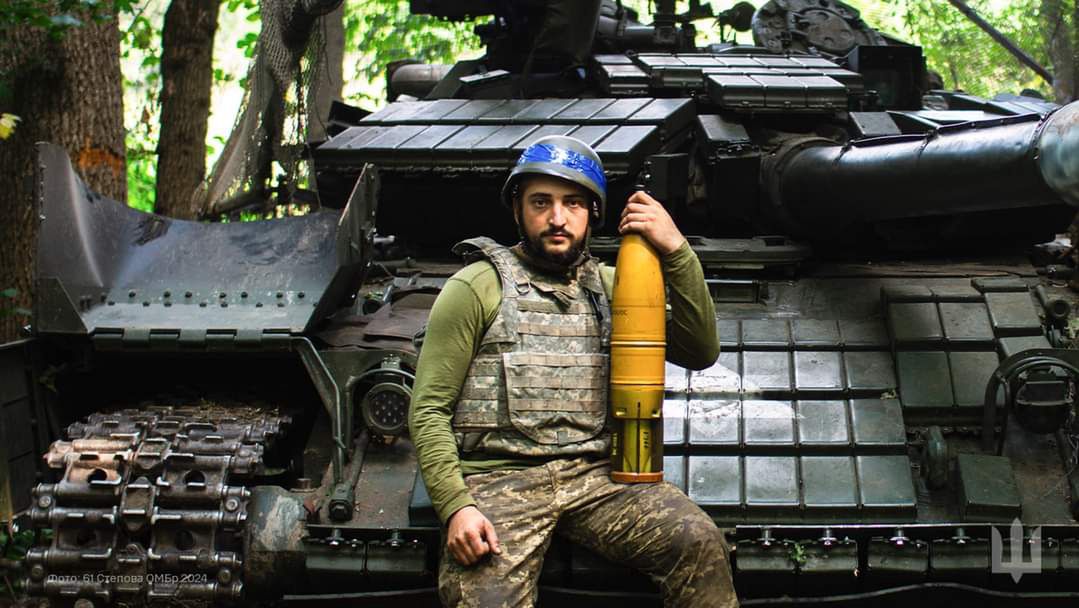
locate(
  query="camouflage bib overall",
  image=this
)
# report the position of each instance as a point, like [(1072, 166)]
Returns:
[(538, 385)]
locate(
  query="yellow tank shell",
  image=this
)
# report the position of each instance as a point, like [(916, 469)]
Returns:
[(638, 350)]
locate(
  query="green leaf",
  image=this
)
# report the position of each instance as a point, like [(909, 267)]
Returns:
[(248, 39), (10, 292), (797, 554), (221, 76), (143, 37)]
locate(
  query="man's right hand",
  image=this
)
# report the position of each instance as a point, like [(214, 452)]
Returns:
[(471, 536)]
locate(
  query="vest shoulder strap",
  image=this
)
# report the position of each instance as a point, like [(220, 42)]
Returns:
[(514, 283), (514, 280)]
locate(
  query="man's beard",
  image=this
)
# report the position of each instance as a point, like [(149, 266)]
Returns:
[(533, 244)]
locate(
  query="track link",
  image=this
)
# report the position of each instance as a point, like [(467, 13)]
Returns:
[(151, 504)]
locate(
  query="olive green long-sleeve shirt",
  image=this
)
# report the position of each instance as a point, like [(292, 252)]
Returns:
[(464, 310)]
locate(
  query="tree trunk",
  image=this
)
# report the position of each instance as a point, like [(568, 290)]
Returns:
[(66, 90), (1058, 44), (187, 42), (1075, 50)]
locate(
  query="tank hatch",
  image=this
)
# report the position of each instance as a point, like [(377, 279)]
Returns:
[(118, 274)]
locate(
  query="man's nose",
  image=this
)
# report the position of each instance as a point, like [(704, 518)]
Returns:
[(558, 215)]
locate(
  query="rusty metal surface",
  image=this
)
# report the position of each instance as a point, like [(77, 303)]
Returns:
[(273, 542), (1038, 474), (148, 505), (389, 327), (392, 326)]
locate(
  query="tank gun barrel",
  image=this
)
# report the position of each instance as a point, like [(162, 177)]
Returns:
[(823, 188)]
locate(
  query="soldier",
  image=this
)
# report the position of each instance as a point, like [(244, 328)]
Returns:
[(509, 412)]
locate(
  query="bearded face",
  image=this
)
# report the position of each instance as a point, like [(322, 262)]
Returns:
[(553, 215)]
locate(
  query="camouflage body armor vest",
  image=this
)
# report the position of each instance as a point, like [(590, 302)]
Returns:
[(537, 387)]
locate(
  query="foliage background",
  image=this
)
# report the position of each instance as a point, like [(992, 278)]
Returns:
[(381, 31)]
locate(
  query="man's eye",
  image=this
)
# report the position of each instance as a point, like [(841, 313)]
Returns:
[(539, 203), (575, 204)]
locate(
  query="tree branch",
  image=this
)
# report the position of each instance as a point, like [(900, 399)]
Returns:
[(1002, 40)]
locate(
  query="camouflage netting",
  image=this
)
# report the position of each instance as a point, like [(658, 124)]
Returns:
[(272, 121)]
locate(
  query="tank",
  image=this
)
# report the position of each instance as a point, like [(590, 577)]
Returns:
[(222, 406)]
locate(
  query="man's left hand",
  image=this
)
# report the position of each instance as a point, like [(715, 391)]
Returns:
[(646, 216)]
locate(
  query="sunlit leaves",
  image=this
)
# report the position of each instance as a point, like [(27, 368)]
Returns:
[(141, 172), (221, 76), (234, 5), (383, 31), (7, 125), (965, 56), (140, 48), (248, 43)]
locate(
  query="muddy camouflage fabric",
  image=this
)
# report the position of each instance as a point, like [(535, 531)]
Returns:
[(538, 385), (654, 528)]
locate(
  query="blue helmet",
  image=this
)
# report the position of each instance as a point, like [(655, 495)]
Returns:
[(565, 157)]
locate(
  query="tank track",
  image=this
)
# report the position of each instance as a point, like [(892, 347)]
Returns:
[(150, 505)]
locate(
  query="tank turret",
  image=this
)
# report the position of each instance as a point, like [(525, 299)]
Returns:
[(824, 131)]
